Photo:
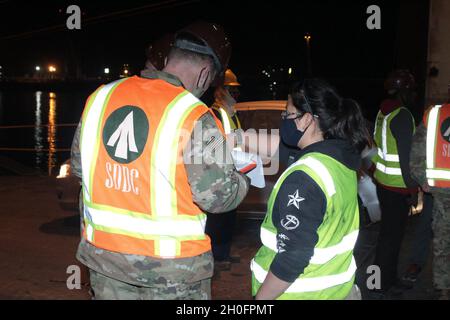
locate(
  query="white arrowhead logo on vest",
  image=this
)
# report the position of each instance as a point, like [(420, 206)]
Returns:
[(445, 129), (124, 138), (447, 133), (125, 134)]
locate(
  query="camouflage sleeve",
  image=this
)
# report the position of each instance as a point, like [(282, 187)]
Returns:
[(215, 184), (75, 155), (417, 160)]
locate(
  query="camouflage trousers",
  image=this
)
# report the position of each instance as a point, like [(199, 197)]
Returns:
[(441, 241), (105, 288)]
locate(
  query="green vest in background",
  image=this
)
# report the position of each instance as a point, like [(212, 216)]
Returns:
[(387, 161), (229, 125), (330, 273)]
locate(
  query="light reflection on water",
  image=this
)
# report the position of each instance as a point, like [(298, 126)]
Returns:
[(1, 105), (51, 136), (38, 131), (51, 132), (37, 127)]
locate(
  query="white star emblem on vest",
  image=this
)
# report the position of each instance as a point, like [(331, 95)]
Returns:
[(295, 200)]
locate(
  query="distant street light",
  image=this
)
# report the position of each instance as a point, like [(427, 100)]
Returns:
[(290, 71), (37, 68), (308, 53), (126, 70), (52, 69), (106, 70)]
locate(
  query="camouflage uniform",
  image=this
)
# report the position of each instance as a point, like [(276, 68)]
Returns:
[(106, 288), (216, 187), (441, 212)]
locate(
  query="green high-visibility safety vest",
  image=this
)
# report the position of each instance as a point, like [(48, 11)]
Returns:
[(330, 273), (387, 161), (228, 123)]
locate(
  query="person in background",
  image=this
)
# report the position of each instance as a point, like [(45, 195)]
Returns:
[(225, 98), (396, 189), (220, 227), (422, 235), (312, 219), (430, 165), (157, 54)]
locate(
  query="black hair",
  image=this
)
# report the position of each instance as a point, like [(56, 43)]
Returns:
[(338, 118), (189, 55)]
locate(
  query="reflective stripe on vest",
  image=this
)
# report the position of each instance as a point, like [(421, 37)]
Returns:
[(388, 157), (321, 255), (434, 174), (389, 171), (163, 194), (91, 128), (317, 167), (164, 226), (226, 122), (384, 152), (165, 148), (309, 284), (147, 228)]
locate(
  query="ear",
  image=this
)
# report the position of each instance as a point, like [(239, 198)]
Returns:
[(202, 81), (304, 122)]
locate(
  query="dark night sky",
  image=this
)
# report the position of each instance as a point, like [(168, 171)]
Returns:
[(263, 33)]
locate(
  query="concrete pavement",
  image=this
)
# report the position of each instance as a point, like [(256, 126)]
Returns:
[(38, 241)]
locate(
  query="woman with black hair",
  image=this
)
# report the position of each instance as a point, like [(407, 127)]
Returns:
[(312, 219)]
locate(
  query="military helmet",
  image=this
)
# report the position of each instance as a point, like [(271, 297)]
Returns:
[(215, 42), (398, 80), (158, 51)]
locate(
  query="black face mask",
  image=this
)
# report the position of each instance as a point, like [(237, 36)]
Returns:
[(289, 132)]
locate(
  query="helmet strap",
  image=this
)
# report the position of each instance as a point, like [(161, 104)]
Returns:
[(190, 46)]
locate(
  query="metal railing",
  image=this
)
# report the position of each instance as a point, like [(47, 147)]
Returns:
[(36, 149)]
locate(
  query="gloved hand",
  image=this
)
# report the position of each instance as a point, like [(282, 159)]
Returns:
[(413, 199), (417, 203)]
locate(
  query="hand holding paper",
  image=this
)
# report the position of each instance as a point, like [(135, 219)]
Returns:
[(251, 165)]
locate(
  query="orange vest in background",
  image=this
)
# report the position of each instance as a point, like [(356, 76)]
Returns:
[(137, 198), (437, 121)]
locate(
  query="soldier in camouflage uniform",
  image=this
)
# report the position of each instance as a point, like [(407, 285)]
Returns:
[(441, 213), (216, 187)]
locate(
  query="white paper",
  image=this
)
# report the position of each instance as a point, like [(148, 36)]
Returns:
[(368, 193), (243, 159)]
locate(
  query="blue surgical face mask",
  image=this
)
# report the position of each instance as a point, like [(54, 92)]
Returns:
[(289, 132)]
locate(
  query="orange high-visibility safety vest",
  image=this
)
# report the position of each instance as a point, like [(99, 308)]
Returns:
[(137, 198), (437, 121)]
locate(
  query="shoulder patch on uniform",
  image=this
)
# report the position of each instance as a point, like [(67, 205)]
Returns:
[(290, 222), (295, 199)]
